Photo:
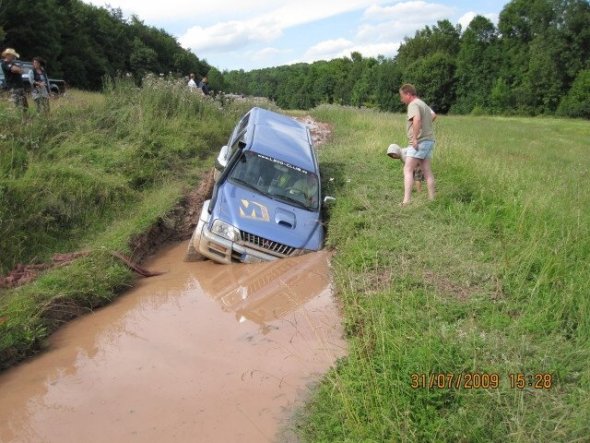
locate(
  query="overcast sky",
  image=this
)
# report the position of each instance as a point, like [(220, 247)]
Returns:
[(232, 34)]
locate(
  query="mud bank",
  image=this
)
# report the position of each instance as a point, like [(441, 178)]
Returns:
[(205, 352)]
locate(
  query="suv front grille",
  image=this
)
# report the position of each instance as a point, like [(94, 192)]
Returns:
[(266, 245)]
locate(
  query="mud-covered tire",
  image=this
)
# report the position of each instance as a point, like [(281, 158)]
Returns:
[(191, 253)]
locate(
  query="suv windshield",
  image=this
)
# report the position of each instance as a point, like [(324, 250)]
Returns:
[(277, 179)]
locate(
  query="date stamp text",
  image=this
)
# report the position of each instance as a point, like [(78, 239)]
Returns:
[(480, 380)]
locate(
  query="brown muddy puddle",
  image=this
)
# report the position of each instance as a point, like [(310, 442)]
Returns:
[(203, 353)]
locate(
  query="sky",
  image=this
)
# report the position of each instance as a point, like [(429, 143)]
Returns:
[(238, 34)]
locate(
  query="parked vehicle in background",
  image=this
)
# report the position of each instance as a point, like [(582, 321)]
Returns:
[(57, 86), (266, 198)]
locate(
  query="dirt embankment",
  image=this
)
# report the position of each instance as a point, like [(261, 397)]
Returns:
[(177, 225), (320, 132)]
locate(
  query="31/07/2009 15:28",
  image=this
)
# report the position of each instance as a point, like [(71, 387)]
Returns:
[(477, 380)]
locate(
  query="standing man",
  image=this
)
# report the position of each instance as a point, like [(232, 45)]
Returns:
[(421, 137), (13, 77)]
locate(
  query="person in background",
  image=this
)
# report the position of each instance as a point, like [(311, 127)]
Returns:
[(204, 85), (421, 137), (13, 76), (40, 85), (192, 85)]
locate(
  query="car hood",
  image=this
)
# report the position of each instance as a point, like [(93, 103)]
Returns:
[(268, 218)]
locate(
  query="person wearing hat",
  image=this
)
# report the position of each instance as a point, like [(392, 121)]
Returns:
[(397, 153), (421, 136), (13, 77)]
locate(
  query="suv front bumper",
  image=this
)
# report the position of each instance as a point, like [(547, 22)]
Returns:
[(221, 249)]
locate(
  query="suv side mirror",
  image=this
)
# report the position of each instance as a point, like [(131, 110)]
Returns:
[(328, 200), (221, 161)]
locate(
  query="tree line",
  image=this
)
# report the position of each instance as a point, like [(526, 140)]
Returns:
[(83, 43), (535, 61)]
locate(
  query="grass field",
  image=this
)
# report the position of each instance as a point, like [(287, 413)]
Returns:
[(490, 279)]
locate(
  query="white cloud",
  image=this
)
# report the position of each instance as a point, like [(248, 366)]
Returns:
[(414, 11), (393, 23), (327, 49), (230, 26), (238, 32), (466, 18), (231, 35), (199, 12), (212, 16), (376, 49), (266, 54), (228, 36), (338, 48), (384, 32)]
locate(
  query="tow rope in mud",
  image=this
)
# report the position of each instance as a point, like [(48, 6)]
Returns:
[(22, 274), (135, 267)]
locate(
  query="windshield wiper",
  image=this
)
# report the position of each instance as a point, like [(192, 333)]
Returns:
[(245, 183), (288, 199)]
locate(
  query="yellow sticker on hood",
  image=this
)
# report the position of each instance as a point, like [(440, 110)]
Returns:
[(253, 210)]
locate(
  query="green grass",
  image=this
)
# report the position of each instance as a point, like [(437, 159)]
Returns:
[(100, 170), (491, 277)]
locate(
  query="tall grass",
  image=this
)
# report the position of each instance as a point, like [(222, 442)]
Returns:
[(99, 170), (490, 278), (94, 155)]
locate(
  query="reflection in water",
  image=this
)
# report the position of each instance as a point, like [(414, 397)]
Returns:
[(266, 291), (165, 363)]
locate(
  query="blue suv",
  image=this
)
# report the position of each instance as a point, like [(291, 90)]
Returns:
[(266, 198)]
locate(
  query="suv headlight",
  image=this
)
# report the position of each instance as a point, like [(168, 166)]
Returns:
[(225, 230)]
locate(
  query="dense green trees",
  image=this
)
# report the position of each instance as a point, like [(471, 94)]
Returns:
[(83, 43), (477, 66), (535, 62), (577, 102)]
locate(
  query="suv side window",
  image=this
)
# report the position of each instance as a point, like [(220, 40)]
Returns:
[(239, 142), (237, 138), (241, 126), (243, 123)]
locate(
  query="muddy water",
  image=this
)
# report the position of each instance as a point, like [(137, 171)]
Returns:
[(203, 353)]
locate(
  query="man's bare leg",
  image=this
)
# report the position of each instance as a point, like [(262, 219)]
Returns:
[(429, 176), (409, 167)]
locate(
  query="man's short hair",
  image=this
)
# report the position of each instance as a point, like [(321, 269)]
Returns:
[(408, 88)]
